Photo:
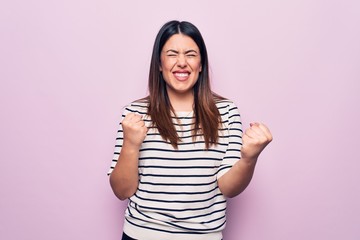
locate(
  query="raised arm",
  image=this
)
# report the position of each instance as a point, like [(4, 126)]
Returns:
[(255, 139), (124, 179)]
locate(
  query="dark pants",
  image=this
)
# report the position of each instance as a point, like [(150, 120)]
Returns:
[(126, 237)]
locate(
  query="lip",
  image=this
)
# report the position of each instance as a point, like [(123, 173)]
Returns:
[(181, 75)]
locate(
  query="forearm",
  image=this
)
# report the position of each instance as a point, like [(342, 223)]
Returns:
[(237, 178), (124, 179)]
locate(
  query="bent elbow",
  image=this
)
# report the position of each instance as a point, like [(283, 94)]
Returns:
[(119, 190), (122, 197), (231, 194)]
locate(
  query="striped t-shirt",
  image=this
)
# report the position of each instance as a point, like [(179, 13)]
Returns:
[(178, 196)]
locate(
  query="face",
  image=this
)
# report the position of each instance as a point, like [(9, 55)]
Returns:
[(180, 64)]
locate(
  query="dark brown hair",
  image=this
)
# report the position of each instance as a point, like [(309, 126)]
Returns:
[(207, 116)]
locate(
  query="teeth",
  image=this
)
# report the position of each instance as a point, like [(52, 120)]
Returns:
[(182, 74)]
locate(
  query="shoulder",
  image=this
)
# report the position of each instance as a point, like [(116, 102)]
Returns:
[(228, 111), (138, 106), (225, 105)]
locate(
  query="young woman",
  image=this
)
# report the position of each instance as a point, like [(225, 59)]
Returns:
[(180, 151)]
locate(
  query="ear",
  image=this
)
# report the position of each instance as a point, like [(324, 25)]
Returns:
[(200, 68), (160, 68)]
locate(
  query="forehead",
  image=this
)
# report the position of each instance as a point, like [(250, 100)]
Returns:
[(180, 42)]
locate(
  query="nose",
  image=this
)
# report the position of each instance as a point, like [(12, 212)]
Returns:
[(181, 61)]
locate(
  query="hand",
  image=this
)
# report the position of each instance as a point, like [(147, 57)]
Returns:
[(255, 139), (134, 130)]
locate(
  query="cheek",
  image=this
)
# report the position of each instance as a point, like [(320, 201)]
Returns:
[(198, 66), (195, 64), (167, 65)]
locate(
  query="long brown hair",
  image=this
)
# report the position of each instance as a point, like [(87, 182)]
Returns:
[(207, 116)]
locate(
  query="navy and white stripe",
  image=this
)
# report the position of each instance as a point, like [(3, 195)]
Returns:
[(178, 192)]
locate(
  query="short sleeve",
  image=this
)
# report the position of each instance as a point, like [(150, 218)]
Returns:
[(118, 144), (134, 107), (234, 130)]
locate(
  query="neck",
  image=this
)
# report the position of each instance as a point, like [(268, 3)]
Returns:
[(182, 102)]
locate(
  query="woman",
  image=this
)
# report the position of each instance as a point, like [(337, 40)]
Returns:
[(178, 156)]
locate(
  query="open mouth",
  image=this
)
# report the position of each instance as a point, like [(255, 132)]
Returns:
[(181, 76)]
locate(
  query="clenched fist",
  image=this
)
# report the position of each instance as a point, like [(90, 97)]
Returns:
[(255, 140), (134, 130)]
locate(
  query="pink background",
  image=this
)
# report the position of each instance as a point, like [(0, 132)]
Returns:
[(68, 67)]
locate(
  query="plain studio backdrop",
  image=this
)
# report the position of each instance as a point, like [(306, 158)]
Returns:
[(67, 69)]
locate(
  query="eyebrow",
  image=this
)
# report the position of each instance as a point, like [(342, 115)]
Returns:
[(186, 52)]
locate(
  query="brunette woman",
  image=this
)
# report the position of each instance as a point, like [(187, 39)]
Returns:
[(181, 151)]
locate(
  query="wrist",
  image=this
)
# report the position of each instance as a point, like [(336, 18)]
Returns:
[(130, 147), (249, 160)]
